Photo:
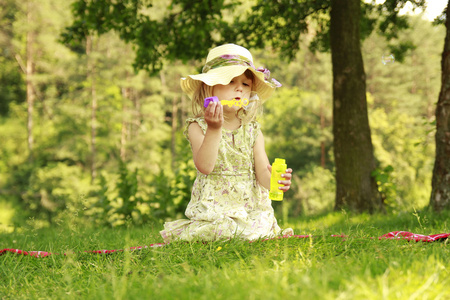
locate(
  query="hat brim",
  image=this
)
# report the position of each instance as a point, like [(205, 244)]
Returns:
[(224, 75)]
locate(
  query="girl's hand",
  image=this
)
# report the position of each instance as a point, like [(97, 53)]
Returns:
[(287, 179), (214, 115)]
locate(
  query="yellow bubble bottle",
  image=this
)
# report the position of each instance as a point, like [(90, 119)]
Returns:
[(279, 167)]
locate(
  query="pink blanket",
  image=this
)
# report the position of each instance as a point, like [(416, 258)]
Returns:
[(395, 235)]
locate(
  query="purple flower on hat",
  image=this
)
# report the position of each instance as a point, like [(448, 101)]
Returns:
[(271, 81), (265, 71), (276, 83), (229, 56)]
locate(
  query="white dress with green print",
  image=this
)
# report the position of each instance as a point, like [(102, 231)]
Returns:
[(229, 202)]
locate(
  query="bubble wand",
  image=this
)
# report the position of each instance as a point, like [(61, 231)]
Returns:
[(236, 102)]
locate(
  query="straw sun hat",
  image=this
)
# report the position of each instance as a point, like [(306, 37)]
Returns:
[(223, 64)]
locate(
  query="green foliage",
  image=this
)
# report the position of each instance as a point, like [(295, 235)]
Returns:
[(52, 189), (172, 190), (299, 119), (314, 193), (127, 200), (182, 187), (11, 80), (124, 202), (136, 121), (11, 85), (386, 187), (180, 30), (118, 201), (172, 194), (183, 28), (401, 142)]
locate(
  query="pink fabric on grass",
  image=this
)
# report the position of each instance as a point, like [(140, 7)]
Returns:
[(394, 235), (398, 235), (44, 253)]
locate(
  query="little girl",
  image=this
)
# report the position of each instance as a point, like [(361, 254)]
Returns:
[(230, 194)]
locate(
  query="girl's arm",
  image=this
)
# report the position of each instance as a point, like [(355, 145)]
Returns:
[(263, 167), (205, 147), (261, 162)]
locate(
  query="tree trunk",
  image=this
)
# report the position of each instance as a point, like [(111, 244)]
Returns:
[(322, 128), (124, 132), (126, 124), (440, 192), (173, 119), (356, 189), (29, 74), (174, 131), (91, 75)]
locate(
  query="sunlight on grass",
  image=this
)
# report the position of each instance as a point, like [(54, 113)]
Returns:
[(320, 267)]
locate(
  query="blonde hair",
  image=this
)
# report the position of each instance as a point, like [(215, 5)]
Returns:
[(253, 110)]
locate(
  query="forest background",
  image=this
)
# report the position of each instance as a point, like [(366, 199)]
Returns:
[(130, 163)]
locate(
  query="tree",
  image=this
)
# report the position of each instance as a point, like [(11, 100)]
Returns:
[(29, 75), (186, 29), (91, 76), (440, 193), (353, 150), (281, 24), (158, 31)]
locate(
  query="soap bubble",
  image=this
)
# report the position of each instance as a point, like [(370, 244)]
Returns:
[(252, 99), (388, 59)]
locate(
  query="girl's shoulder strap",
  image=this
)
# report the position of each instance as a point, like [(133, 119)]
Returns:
[(200, 121)]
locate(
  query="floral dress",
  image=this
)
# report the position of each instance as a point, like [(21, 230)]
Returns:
[(229, 202)]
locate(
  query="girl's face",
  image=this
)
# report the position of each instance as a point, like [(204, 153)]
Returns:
[(238, 88)]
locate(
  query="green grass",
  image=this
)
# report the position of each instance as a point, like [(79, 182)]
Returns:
[(323, 267)]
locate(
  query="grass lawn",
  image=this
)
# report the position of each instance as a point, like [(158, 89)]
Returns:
[(322, 267)]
